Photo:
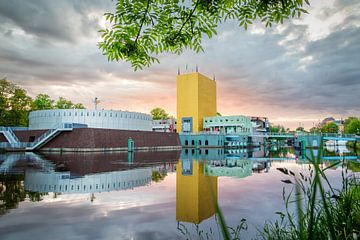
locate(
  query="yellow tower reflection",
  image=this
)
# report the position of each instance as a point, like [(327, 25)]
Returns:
[(196, 194)]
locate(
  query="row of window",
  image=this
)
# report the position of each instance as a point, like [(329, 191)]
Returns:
[(49, 114), (77, 187), (199, 142), (227, 120), (220, 151)]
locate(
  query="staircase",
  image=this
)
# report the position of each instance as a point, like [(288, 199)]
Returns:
[(49, 135), (13, 141)]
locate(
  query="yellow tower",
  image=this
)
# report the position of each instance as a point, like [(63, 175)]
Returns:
[(196, 194), (196, 99)]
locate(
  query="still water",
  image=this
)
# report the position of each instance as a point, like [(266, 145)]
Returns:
[(146, 195)]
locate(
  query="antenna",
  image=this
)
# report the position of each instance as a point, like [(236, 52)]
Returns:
[(178, 70), (96, 101), (197, 68)]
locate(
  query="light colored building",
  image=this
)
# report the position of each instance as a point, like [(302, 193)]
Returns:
[(164, 125), (228, 124), (260, 124), (196, 99), (107, 119)]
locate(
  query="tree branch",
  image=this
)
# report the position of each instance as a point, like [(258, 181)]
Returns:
[(188, 18), (142, 21)]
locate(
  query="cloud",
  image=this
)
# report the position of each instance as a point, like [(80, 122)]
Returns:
[(304, 68)]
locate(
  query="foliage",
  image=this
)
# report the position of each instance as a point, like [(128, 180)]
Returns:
[(42, 102), (63, 103), (300, 129), (352, 125), (320, 214), (158, 176), (140, 30), (277, 129), (14, 104), (314, 130), (159, 113), (12, 192), (330, 127)]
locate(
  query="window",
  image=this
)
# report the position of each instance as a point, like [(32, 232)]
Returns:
[(93, 114), (82, 114), (186, 142), (75, 114), (87, 114), (110, 114), (199, 142), (206, 142), (192, 142), (69, 113)]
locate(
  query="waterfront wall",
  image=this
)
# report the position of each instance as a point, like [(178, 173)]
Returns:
[(92, 139), (108, 119)]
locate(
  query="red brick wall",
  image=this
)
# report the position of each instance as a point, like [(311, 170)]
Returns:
[(3, 138), (24, 136), (108, 138)]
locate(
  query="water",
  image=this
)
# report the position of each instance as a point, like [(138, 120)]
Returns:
[(154, 195)]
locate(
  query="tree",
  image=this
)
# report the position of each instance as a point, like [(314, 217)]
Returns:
[(314, 130), (300, 129), (42, 102), (159, 113), (330, 127), (353, 126), (276, 128), (79, 106), (14, 104), (140, 30), (63, 103)]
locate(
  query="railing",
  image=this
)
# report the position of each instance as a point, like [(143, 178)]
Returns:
[(9, 134), (57, 128)]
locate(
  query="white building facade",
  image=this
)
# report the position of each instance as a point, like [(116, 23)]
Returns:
[(228, 124), (107, 119)]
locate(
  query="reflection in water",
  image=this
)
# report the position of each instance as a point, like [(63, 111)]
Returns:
[(196, 193), (61, 182), (31, 176), (199, 174)]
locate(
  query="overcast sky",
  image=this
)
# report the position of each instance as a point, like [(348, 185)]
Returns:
[(298, 72)]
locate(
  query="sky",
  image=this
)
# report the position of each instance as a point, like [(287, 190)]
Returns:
[(295, 74)]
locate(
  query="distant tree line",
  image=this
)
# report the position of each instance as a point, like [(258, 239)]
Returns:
[(15, 104), (351, 125)]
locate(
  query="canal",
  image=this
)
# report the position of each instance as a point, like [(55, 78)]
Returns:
[(149, 195)]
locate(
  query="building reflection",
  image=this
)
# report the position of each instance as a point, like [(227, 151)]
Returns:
[(196, 193)]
